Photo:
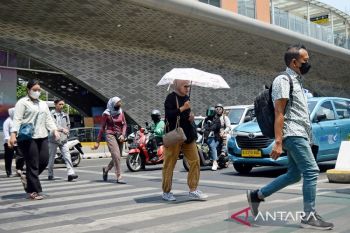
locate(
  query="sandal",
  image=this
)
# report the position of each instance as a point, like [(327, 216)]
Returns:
[(35, 196)]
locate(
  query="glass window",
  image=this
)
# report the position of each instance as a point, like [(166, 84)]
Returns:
[(311, 105), (342, 107), (326, 110), (212, 2), (235, 115), (247, 8)]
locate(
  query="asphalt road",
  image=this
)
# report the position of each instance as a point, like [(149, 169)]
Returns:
[(91, 205)]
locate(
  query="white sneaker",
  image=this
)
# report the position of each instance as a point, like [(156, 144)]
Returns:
[(168, 197), (197, 195), (215, 166)]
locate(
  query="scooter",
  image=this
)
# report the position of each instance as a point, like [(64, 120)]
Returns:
[(75, 150), (140, 151), (204, 155)]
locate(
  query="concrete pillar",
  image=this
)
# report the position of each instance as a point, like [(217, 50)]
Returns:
[(262, 10)]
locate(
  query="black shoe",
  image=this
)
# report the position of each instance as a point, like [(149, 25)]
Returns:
[(314, 221), (72, 177), (104, 174), (8, 174), (50, 177), (253, 201)]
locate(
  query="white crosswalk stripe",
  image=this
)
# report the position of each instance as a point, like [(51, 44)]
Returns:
[(100, 202)]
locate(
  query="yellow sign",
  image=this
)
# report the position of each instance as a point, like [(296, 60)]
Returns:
[(251, 153), (323, 19)]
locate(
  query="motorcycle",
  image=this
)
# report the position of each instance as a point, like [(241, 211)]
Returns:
[(75, 150), (141, 152), (204, 155)]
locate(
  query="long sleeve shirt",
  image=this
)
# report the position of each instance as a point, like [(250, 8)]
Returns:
[(116, 127), (36, 112), (172, 111), (8, 124), (158, 129)]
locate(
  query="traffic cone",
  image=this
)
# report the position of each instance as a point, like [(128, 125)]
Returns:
[(341, 173)]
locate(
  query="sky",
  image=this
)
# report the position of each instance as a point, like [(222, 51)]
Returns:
[(343, 5)]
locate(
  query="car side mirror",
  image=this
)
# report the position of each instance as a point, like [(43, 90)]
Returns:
[(320, 117), (247, 118)]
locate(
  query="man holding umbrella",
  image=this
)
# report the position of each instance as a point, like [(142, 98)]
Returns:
[(177, 104)]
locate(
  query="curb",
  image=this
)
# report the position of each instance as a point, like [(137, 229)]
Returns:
[(338, 176)]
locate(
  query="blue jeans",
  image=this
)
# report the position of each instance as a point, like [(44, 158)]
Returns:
[(213, 145), (300, 162)]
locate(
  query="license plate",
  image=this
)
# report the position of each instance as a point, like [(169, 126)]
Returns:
[(251, 153)]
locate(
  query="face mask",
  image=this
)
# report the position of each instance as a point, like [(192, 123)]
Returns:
[(305, 67), (34, 94), (116, 108)]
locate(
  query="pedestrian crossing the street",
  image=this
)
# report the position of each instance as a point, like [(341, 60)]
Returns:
[(96, 206)]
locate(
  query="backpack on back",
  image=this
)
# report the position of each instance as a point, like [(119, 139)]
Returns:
[(265, 111)]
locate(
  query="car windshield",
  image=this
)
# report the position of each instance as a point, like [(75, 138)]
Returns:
[(235, 115), (311, 105)]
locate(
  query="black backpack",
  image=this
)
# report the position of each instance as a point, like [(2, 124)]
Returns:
[(265, 111)]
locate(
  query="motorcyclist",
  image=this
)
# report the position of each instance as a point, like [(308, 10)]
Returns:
[(212, 127), (157, 129), (225, 126)]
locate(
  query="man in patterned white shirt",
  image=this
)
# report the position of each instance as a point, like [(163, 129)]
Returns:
[(293, 134)]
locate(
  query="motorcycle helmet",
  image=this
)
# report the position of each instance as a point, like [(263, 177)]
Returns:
[(210, 112), (155, 115), (219, 106)]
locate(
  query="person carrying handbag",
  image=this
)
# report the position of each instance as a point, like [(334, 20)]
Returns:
[(177, 106), (31, 126), (114, 124)]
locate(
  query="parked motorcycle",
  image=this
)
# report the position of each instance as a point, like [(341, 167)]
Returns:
[(141, 152), (75, 150), (204, 155)]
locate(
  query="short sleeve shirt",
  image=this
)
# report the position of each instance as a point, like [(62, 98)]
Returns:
[(296, 117)]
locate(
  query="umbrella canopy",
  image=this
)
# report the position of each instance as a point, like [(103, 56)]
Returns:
[(197, 77)]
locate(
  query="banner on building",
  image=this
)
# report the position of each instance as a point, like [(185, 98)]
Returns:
[(8, 82), (322, 19)]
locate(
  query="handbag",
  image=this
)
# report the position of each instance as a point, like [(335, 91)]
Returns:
[(175, 136), (26, 131)]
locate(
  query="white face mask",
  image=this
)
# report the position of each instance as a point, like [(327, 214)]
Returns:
[(34, 94)]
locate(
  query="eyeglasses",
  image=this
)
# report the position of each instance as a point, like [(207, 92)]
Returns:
[(187, 86)]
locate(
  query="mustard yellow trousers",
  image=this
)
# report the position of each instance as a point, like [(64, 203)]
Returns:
[(171, 155)]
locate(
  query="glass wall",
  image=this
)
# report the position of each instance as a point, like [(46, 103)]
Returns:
[(317, 31), (212, 2), (247, 8)]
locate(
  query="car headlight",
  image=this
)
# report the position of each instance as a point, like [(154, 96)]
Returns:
[(234, 133)]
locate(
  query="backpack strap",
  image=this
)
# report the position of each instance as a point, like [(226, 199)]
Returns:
[(291, 88)]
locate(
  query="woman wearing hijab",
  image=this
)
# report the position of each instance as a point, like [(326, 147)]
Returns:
[(114, 125)]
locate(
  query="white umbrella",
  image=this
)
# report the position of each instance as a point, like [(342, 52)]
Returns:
[(197, 77)]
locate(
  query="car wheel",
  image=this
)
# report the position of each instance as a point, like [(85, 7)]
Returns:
[(242, 168)]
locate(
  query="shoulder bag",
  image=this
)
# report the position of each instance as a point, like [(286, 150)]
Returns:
[(177, 135), (26, 131)]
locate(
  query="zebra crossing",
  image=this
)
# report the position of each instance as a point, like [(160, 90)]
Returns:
[(96, 206)]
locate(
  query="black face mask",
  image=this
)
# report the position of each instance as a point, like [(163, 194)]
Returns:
[(304, 68), (116, 108)]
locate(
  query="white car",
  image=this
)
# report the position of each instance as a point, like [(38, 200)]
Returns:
[(239, 114)]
